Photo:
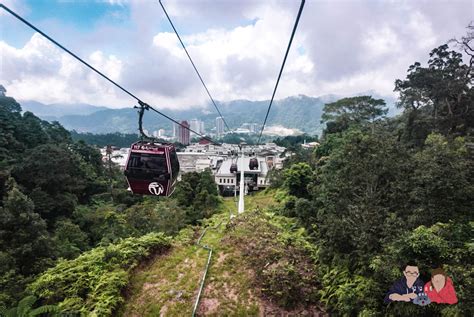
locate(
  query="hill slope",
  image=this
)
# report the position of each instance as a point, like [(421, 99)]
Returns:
[(244, 274)]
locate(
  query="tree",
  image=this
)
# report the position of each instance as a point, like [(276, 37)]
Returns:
[(23, 234), (10, 118), (297, 179), (442, 184), (356, 192), (53, 177), (437, 98), (342, 114), (197, 192), (69, 239)]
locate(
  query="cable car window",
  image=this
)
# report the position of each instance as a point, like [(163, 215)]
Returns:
[(174, 163), (144, 161)]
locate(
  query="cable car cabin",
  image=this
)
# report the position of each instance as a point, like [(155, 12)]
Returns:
[(253, 163), (233, 168), (152, 168)]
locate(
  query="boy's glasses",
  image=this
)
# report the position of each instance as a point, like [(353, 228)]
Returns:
[(411, 273)]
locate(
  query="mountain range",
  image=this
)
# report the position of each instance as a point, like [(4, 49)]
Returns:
[(300, 112)]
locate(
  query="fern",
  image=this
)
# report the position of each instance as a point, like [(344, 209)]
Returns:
[(25, 308), (92, 283), (46, 309)]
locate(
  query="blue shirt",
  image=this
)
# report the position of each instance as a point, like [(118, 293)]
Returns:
[(400, 287)]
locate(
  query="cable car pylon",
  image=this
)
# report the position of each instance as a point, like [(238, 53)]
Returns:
[(241, 208)]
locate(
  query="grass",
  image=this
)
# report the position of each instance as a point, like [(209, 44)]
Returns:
[(169, 284)]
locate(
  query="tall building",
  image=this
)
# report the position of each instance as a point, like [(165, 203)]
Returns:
[(202, 130), (195, 125), (175, 130), (183, 135), (219, 126)]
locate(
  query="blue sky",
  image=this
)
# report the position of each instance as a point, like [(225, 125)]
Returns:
[(341, 47)]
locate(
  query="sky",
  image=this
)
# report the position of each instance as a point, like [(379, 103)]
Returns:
[(341, 47)]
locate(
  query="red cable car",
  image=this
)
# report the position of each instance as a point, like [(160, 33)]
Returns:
[(152, 168)]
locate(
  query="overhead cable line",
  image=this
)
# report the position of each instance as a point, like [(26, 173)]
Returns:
[(142, 103), (282, 66), (194, 66)]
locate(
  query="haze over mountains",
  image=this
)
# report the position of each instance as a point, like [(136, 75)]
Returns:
[(295, 112)]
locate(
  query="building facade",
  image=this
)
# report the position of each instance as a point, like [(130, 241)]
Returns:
[(219, 126), (183, 135)]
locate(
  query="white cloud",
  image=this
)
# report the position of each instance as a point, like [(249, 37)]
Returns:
[(40, 71), (341, 47)]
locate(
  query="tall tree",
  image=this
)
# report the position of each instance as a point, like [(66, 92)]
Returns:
[(438, 98), (342, 114), (23, 234), (53, 177)]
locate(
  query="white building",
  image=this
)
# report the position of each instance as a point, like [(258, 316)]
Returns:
[(196, 125), (228, 182), (219, 126), (118, 156)]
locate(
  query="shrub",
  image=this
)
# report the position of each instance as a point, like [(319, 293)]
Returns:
[(92, 283), (283, 260)]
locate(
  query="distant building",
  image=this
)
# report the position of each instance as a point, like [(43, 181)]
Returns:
[(183, 133), (309, 145), (228, 182), (175, 130), (241, 131), (161, 132), (202, 130), (219, 126), (194, 125), (118, 156), (251, 127)]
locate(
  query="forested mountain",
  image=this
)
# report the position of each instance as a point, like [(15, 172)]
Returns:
[(53, 112), (236, 113)]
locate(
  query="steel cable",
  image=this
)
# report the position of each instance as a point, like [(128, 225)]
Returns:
[(194, 66), (282, 66)]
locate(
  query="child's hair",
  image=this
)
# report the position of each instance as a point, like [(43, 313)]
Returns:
[(438, 271), (408, 264)]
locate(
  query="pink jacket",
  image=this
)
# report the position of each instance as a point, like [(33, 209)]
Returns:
[(446, 295)]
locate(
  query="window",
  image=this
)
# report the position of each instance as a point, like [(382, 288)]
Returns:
[(174, 163), (146, 166)]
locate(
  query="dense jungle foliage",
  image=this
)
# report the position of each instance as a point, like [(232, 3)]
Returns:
[(382, 192), (59, 199)]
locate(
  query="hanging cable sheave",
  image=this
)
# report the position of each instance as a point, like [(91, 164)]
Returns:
[(281, 69), (142, 103), (194, 66)]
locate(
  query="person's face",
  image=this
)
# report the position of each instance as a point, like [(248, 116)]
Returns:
[(411, 273), (438, 281)]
